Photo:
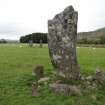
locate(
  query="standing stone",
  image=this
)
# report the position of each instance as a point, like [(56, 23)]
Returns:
[(38, 71), (30, 43), (41, 43), (34, 89), (62, 37)]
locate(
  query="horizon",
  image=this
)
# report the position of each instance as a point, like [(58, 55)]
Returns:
[(44, 32)]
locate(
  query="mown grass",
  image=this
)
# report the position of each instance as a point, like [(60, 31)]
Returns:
[(16, 64)]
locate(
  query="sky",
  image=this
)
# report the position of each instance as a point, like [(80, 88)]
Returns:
[(21, 17)]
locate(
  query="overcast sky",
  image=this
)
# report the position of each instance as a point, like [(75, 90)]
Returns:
[(20, 17)]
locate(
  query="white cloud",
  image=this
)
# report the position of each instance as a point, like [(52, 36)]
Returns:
[(27, 16)]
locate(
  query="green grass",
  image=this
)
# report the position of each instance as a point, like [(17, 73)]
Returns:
[(16, 64)]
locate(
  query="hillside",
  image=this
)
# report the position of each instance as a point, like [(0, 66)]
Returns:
[(92, 35)]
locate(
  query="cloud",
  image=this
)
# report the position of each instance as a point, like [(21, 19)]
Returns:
[(20, 17)]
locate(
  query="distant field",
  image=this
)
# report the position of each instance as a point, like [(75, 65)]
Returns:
[(16, 63)]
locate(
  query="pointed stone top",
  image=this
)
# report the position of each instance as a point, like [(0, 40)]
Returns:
[(68, 9)]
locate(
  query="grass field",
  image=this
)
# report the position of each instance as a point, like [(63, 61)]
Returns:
[(16, 63)]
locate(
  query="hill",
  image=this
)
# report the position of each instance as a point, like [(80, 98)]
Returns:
[(92, 35)]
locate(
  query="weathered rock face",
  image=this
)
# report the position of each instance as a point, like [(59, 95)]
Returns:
[(38, 71), (66, 89), (62, 36)]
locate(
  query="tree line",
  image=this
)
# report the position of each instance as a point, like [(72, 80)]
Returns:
[(37, 37), (34, 37)]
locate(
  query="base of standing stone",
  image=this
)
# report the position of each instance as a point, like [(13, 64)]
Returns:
[(68, 76)]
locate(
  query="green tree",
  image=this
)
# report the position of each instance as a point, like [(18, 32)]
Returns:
[(35, 37), (102, 40)]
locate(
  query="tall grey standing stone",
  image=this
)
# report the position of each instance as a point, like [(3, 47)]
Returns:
[(62, 36)]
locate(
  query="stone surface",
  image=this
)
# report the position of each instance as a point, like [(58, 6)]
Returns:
[(100, 77), (65, 89), (34, 89), (62, 36), (44, 79), (89, 78), (38, 71)]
